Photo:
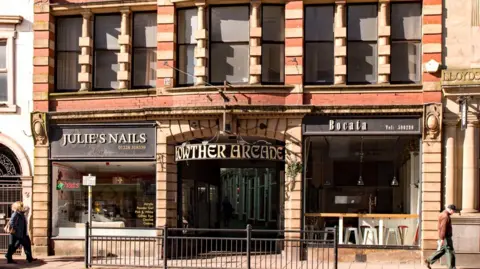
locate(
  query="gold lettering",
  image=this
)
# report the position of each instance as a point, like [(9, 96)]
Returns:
[(235, 152), (221, 151), (255, 152), (264, 154), (211, 151)]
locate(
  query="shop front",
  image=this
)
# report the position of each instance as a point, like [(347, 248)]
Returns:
[(363, 176), (122, 158)]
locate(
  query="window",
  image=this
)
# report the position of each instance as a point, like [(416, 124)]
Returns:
[(144, 50), (3, 72), (406, 42), (68, 30), (229, 44), (273, 44), (362, 44), (107, 30), (187, 25), (319, 45)]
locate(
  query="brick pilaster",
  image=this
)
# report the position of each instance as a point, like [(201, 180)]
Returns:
[(383, 43), (294, 44), (340, 33), (165, 44), (432, 41), (43, 53), (255, 43)]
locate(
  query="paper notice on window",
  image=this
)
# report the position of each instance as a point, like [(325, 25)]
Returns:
[(341, 200)]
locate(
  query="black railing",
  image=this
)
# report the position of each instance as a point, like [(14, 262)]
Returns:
[(213, 248)]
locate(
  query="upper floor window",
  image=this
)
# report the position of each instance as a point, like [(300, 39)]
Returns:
[(273, 44), (106, 49), (144, 50), (229, 44), (186, 28), (3, 72), (362, 44), (406, 36), (319, 44), (68, 30)]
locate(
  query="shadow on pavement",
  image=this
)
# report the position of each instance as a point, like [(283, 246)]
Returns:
[(21, 263)]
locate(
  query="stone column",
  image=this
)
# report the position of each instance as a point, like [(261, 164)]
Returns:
[(201, 49), (123, 75), (451, 136), (470, 173), (340, 44), (383, 44), (255, 46), (85, 58)]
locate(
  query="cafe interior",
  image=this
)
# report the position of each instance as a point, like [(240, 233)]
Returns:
[(366, 186)]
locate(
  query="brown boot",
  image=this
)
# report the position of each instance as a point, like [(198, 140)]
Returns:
[(427, 263)]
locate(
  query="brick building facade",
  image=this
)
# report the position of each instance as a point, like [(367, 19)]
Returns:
[(105, 62)]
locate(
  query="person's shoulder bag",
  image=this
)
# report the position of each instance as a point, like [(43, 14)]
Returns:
[(8, 228)]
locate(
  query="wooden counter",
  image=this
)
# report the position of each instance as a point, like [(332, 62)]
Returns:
[(373, 220)]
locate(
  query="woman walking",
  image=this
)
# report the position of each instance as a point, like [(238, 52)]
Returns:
[(19, 235)]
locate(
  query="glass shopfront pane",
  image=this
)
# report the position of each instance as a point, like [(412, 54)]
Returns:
[(123, 197)]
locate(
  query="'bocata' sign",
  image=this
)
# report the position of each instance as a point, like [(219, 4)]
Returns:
[(189, 152)]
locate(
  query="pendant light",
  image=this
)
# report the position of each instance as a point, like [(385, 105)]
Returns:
[(360, 178), (394, 180)]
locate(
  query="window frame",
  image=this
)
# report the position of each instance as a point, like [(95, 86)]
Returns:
[(55, 79), (8, 35), (94, 50), (263, 42), (305, 82), (347, 41), (210, 42), (133, 47), (407, 41), (178, 45)]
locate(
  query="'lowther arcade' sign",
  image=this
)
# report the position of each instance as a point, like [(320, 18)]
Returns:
[(210, 151)]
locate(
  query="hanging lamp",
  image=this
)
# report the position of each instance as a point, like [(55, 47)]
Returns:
[(360, 178)]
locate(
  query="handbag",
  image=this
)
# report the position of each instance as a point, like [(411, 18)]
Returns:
[(8, 229)]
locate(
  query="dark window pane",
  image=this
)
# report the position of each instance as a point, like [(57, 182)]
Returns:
[(186, 63), (230, 23), (406, 21), (362, 22), (107, 30), (273, 59), (319, 62), (3, 55), (229, 62), (67, 67), (187, 25), (3, 87), (144, 66), (362, 62), (106, 68), (273, 23), (319, 23), (405, 62), (145, 30), (68, 30)]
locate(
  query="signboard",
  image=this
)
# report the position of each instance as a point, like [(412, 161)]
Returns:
[(461, 77), (324, 125), (89, 180), (213, 151), (105, 141)]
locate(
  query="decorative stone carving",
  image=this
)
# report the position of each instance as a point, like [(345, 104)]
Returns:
[(39, 128), (432, 122)]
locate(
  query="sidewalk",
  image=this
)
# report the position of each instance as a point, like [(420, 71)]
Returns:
[(78, 263)]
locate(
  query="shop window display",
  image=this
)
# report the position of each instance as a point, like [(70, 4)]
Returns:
[(123, 197)]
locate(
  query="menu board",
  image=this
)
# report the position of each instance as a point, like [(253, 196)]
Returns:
[(146, 212)]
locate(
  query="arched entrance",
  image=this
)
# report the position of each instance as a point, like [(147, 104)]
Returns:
[(10, 188)]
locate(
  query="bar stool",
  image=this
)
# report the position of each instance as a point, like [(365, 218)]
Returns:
[(370, 232), (393, 231), (348, 232), (362, 230), (403, 230), (327, 231)]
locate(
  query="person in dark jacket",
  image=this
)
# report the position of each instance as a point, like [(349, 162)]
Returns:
[(19, 237), (227, 212), (445, 239)]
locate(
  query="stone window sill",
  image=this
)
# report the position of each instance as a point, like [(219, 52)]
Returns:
[(8, 108), (397, 88), (96, 94), (232, 88)]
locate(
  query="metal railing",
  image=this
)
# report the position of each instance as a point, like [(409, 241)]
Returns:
[(213, 248)]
